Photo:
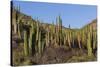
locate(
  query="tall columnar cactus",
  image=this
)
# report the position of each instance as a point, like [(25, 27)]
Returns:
[(73, 38), (65, 39), (14, 25), (79, 39), (19, 33), (18, 22), (69, 39), (47, 37), (95, 40), (39, 43), (14, 21), (55, 40), (37, 37), (59, 30), (51, 38), (52, 33), (32, 32), (89, 45), (25, 43), (42, 45), (83, 37), (65, 35), (53, 28)]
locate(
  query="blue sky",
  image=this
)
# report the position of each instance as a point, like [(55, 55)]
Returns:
[(75, 15)]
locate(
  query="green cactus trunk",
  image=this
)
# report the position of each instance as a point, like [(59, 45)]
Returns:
[(42, 46), (37, 38), (15, 26), (30, 44), (65, 40), (73, 38), (69, 39), (89, 45), (39, 43), (79, 40), (25, 44), (94, 40), (14, 22), (18, 22), (83, 38), (19, 33), (47, 38), (31, 39), (55, 41)]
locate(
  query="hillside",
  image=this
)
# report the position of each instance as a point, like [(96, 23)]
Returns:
[(92, 24), (35, 42)]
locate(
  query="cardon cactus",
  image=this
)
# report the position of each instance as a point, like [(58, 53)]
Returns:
[(69, 39), (79, 39), (37, 37), (25, 44), (95, 40), (89, 48), (47, 37), (32, 32), (39, 43)]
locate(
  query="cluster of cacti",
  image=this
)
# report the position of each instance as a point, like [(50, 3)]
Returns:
[(52, 35), (32, 32)]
